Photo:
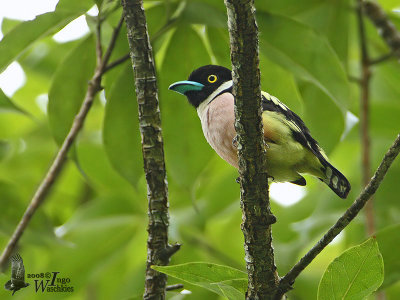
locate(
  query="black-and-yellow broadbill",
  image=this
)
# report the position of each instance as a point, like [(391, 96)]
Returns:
[(291, 150)]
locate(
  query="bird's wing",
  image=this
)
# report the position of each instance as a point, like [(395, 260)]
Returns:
[(17, 268), (298, 129)]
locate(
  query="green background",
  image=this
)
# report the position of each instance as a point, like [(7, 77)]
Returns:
[(92, 227)]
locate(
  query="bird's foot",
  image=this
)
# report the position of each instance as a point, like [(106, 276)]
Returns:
[(271, 219), (235, 141)]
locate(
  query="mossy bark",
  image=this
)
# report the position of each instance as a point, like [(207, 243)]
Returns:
[(256, 212), (158, 249)]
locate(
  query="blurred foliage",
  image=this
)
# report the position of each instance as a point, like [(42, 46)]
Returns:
[(92, 228)]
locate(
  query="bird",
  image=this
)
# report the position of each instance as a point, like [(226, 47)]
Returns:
[(290, 148), (17, 281)]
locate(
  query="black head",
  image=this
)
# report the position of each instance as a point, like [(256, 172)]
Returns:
[(202, 83)]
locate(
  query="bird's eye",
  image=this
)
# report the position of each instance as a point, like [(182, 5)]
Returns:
[(212, 78)]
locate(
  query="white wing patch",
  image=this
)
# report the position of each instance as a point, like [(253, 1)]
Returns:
[(274, 100)]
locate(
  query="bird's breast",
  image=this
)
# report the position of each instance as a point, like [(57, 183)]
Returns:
[(217, 121)]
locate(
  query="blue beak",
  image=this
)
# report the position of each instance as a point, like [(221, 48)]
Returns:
[(185, 86)]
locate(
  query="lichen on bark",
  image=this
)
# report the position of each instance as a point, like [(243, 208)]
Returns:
[(257, 217), (158, 249)]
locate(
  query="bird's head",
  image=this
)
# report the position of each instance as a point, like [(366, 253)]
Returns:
[(204, 82)]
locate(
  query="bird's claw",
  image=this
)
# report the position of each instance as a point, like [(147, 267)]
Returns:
[(235, 141)]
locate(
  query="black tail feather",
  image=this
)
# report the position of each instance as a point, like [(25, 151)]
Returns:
[(336, 180)]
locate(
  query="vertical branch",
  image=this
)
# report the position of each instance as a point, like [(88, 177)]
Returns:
[(158, 249), (256, 213), (364, 117)]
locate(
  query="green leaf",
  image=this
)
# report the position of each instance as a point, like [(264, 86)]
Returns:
[(206, 275), (281, 84), (69, 86), (306, 54), (390, 248), (8, 24), (4, 149), (219, 44), (121, 128), (238, 284), (94, 165), (74, 5), (7, 104), (230, 292), (389, 5), (323, 117), (203, 13), (288, 7), (332, 20), (25, 34), (354, 275)]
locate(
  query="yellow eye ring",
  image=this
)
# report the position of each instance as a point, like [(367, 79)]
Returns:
[(212, 78)]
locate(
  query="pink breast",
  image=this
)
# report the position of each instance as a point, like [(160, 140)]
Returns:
[(218, 127)]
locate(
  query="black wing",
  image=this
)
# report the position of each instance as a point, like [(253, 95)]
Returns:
[(17, 269), (333, 177), (299, 130)]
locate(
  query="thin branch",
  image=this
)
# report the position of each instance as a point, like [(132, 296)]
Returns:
[(385, 27), (355, 79), (257, 217), (58, 163), (288, 280), (159, 251), (111, 45), (364, 117), (157, 35), (117, 62), (162, 30), (174, 287), (99, 48), (381, 59)]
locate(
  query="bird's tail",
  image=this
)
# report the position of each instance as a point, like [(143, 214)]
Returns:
[(335, 180)]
